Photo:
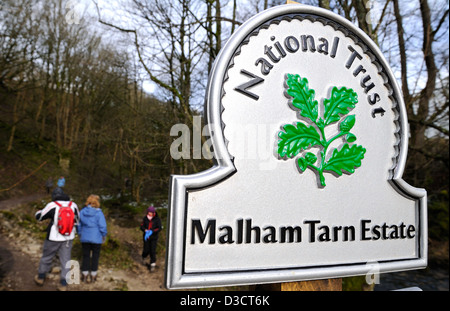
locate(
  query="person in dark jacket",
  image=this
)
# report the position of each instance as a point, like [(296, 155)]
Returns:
[(150, 226), (49, 185), (92, 230)]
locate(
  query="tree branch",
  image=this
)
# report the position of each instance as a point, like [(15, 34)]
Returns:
[(441, 21), (141, 60)]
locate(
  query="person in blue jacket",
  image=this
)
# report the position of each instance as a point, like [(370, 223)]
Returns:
[(61, 182), (92, 231)]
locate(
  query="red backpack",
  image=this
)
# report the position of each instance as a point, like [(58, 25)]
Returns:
[(66, 219)]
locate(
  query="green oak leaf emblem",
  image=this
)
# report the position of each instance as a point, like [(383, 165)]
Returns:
[(298, 137)]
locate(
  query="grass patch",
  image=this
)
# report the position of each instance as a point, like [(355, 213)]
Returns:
[(8, 215)]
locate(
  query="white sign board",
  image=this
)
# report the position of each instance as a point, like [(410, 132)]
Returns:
[(309, 132)]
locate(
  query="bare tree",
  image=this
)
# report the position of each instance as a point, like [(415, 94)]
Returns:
[(17, 51), (427, 107)]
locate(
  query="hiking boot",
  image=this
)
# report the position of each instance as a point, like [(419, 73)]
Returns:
[(62, 286), (85, 278), (39, 280)]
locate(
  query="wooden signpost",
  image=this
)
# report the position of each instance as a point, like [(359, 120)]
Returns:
[(315, 285)]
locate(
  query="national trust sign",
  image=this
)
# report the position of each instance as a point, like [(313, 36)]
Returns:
[(309, 132)]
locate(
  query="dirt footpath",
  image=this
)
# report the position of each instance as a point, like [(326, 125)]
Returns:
[(20, 254)]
